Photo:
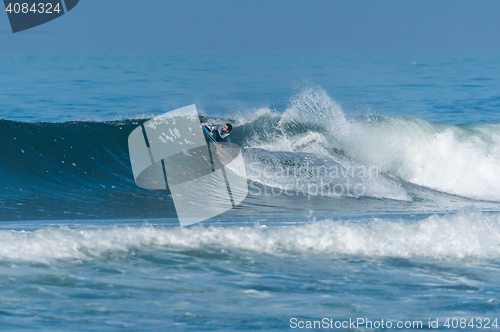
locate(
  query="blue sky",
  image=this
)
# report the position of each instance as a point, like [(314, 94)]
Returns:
[(270, 25)]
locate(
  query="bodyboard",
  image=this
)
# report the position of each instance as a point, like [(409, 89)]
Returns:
[(209, 133)]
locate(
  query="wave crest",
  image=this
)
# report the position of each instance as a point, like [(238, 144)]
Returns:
[(470, 235)]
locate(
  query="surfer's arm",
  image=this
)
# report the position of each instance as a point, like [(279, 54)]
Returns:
[(209, 127)]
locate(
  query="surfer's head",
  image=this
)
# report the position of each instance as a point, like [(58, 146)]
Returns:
[(227, 128)]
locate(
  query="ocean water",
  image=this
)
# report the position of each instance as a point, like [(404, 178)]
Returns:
[(374, 193)]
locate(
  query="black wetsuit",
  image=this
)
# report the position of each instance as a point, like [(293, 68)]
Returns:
[(219, 135)]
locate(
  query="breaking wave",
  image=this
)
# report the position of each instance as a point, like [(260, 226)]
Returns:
[(462, 160), (82, 168), (451, 237)]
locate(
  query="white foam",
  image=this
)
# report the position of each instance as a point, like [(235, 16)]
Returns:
[(460, 160), (439, 156), (315, 108), (252, 115), (451, 237)]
